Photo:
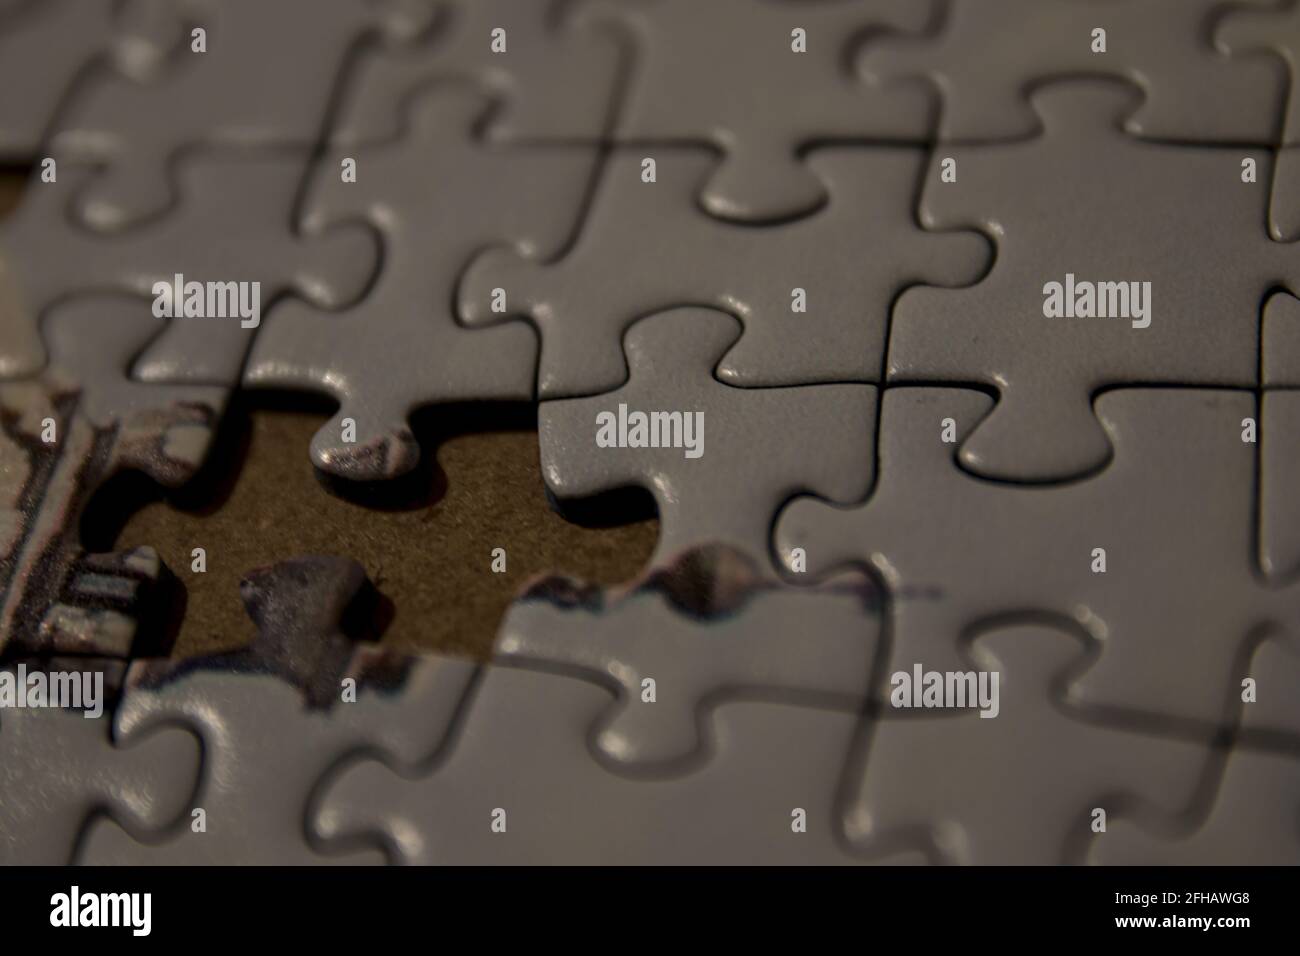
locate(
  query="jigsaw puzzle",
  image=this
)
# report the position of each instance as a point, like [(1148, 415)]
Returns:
[(836, 431)]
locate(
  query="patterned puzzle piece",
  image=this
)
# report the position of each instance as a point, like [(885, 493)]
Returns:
[(1018, 788), (56, 597), (1169, 619), (521, 761), (277, 704), (242, 89), (771, 101), (233, 227), (1086, 203), (762, 649), (646, 247), (987, 55), (58, 768), (46, 45), (555, 81), (437, 196), (1253, 818), (735, 455)]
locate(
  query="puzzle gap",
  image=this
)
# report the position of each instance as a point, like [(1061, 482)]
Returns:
[(426, 541), (13, 179)]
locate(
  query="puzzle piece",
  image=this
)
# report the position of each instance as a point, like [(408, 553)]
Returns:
[(234, 226), (241, 90), (1246, 33), (1279, 426), (555, 81), (522, 750), (1280, 332), (1253, 822), (770, 103), (987, 56), (1018, 788), (272, 723), (1279, 510), (645, 247), (816, 438), (762, 649), (502, 191), (1274, 716), (1049, 201), (46, 45), (1254, 816), (1284, 199), (400, 347), (1169, 619), (57, 598), (59, 767)]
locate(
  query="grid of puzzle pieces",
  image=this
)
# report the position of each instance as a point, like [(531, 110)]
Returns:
[(957, 344)]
